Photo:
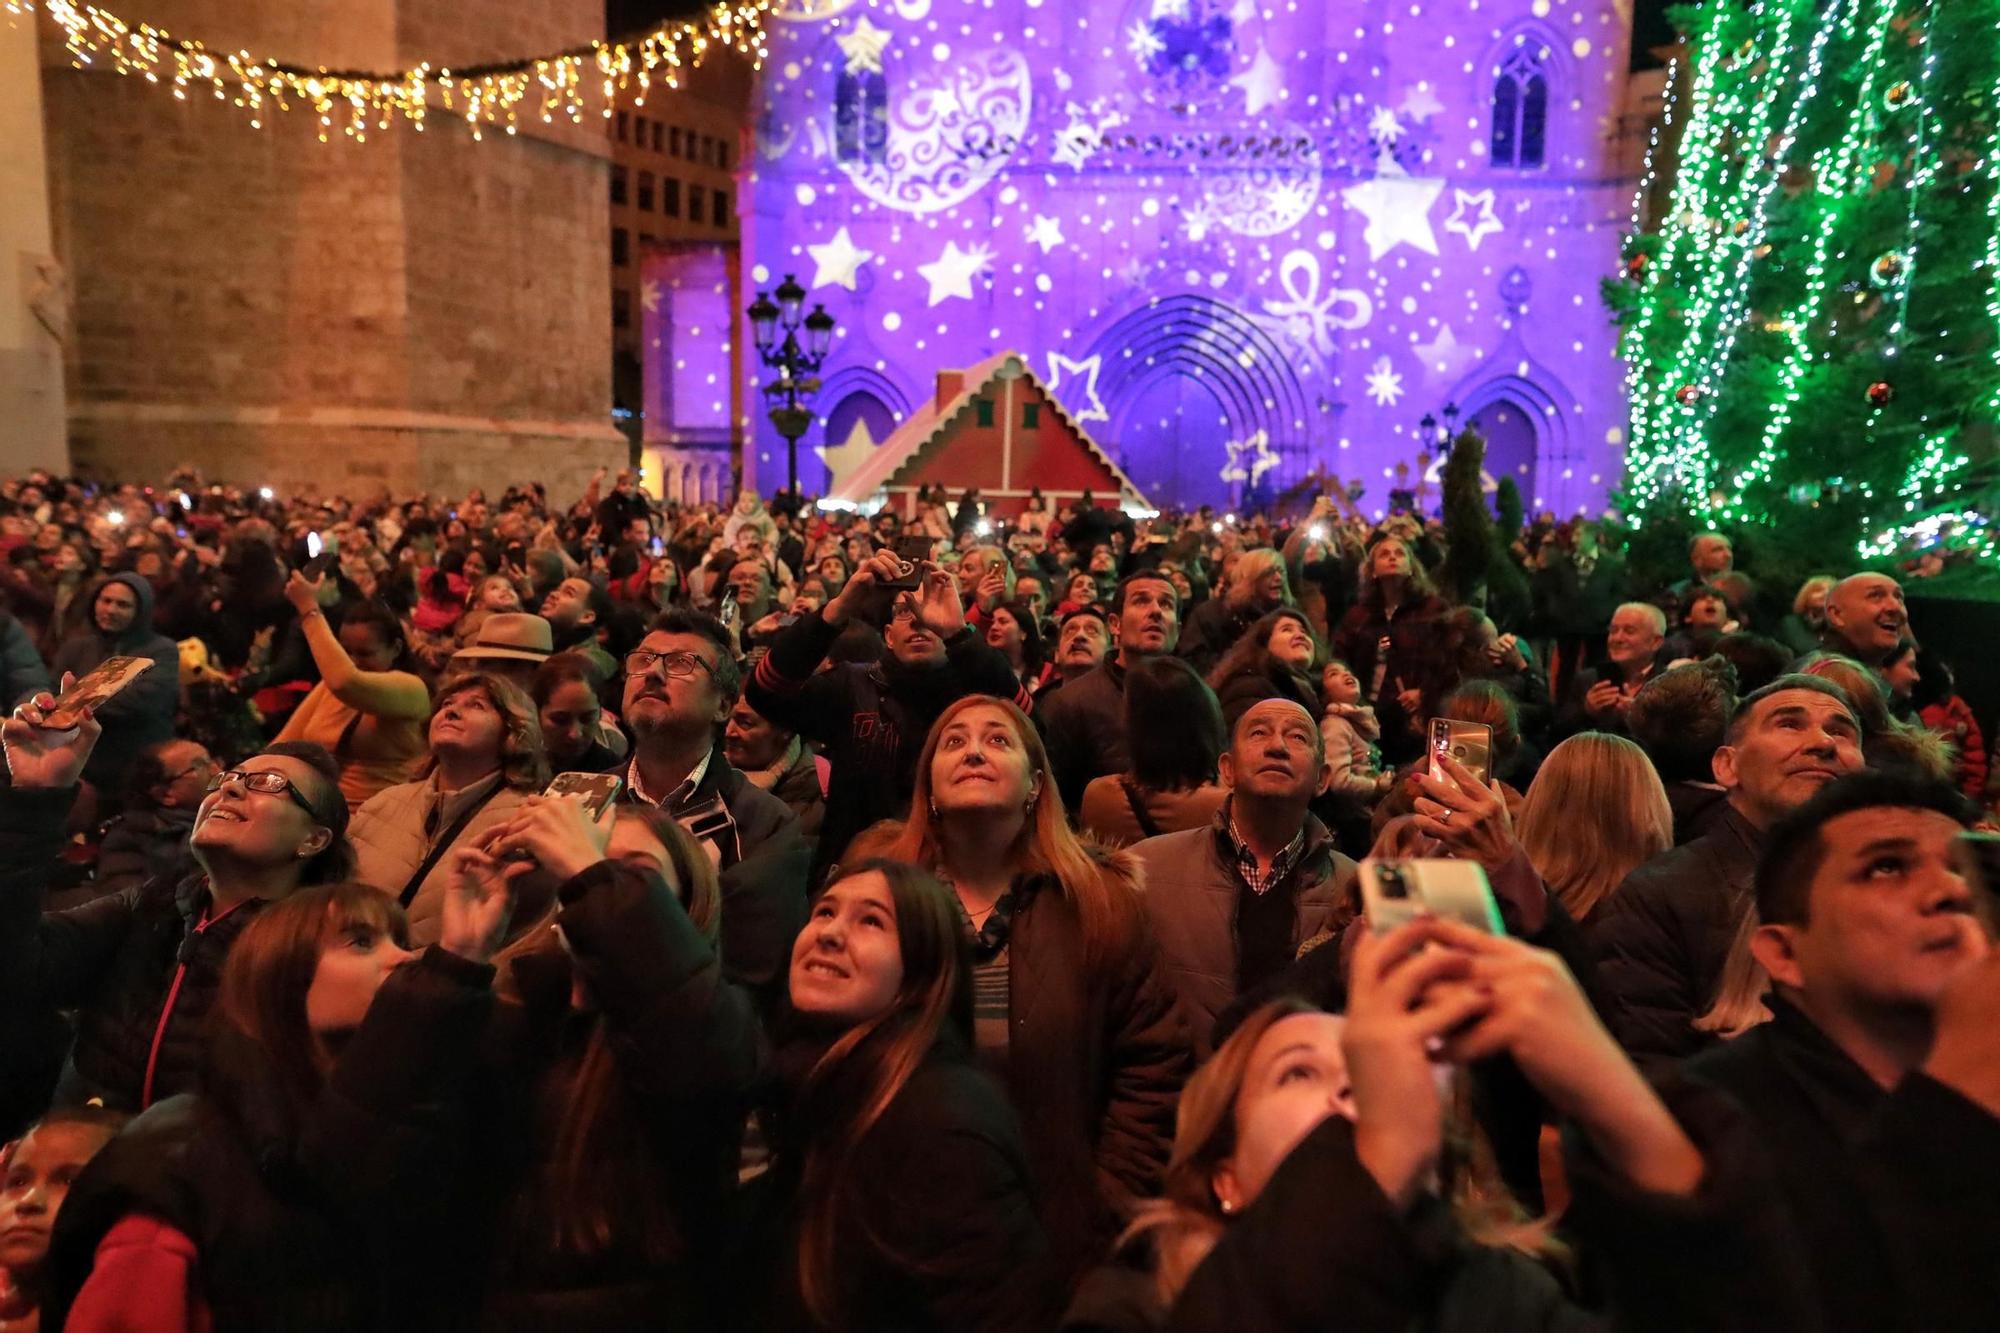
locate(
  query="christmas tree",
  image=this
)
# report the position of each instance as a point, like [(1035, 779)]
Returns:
[(1812, 329)]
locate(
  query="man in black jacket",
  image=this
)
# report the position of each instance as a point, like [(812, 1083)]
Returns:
[(1599, 696), (1875, 1089), (680, 683), (1084, 725), (871, 720), (1663, 936)]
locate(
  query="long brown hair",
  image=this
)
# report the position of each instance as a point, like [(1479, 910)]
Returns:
[(853, 1083), (1105, 908), (262, 996), (1252, 652), (1594, 812), (1417, 584), (581, 1183)]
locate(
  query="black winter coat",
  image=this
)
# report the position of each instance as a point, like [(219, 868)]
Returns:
[(122, 962), (1212, 629), (345, 1213), (685, 1046), (1417, 644), (1890, 1192), (940, 1231), (1083, 725), (1661, 940), (869, 721), (1270, 680)]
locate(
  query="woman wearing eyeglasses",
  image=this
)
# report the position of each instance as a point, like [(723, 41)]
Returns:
[(141, 967), (485, 758)]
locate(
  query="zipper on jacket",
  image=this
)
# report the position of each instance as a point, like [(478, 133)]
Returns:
[(186, 951)]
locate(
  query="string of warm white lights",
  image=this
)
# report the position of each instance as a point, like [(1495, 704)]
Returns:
[(487, 96)]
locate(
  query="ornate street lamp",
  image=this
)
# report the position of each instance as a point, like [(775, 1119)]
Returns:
[(787, 397)]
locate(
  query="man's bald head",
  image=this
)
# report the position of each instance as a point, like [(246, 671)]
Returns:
[(1276, 755), (1866, 612)]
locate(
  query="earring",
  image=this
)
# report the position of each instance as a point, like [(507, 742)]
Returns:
[(1228, 1207), (934, 813)]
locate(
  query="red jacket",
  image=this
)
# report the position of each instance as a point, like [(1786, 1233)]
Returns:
[(143, 1282), (1951, 717)]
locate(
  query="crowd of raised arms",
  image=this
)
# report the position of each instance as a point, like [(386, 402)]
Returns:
[(975, 939)]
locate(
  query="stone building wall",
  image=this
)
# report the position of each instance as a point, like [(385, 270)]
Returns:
[(419, 311)]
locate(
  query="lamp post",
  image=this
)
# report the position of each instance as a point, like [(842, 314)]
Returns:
[(797, 364)]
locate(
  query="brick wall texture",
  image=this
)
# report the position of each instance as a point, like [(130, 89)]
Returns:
[(420, 311)]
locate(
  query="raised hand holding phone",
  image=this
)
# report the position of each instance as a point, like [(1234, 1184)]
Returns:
[(478, 904), (41, 753)]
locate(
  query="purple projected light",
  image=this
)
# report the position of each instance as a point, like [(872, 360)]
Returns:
[(1242, 242)]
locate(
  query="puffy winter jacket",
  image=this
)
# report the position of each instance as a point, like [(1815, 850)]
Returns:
[(1661, 939), (140, 967), (390, 843)]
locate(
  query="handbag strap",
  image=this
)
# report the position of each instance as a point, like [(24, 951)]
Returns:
[(443, 844), (1147, 824)]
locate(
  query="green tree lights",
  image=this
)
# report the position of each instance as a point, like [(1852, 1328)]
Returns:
[(1812, 332)]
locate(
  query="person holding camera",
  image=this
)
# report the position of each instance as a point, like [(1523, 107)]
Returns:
[(870, 720)]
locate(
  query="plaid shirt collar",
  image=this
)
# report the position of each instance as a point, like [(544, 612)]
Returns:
[(1237, 851)]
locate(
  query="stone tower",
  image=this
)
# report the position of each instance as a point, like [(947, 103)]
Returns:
[(418, 311)]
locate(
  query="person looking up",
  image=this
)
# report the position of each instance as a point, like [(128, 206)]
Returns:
[(1084, 722), (1665, 932), (1865, 618), (870, 720)]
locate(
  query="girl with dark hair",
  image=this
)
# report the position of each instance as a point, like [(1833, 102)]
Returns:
[(485, 759), (36, 1172), (335, 1085), (622, 1060), (1393, 638), (1073, 1012), (141, 967), (1171, 785), (1012, 629), (1278, 657), (369, 706), (899, 1197)]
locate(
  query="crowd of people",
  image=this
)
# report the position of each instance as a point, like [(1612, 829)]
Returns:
[(973, 938)]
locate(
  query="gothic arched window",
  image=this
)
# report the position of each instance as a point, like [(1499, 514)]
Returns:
[(861, 117), (1521, 109)]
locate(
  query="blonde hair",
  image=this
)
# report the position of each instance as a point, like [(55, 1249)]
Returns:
[(1594, 812), (1804, 597), (1251, 566), (1739, 1004), (1106, 909)]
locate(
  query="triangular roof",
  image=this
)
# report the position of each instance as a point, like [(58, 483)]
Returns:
[(929, 425)]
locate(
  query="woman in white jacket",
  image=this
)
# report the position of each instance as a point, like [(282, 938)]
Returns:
[(486, 756)]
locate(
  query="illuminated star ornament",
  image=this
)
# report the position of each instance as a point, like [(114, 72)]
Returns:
[(1249, 459), (649, 296), (838, 261), (846, 458), (1143, 42), (1383, 125), (1263, 84), (1419, 103), (951, 273), (1397, 206), (1478, 227), (862, 45), (1047, 233), (1445, 358), (1385, 386), (1061, 369)]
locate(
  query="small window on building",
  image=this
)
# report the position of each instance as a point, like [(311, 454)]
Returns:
[(621, 309), (1521, 109), (670, 196), (674, 141), (719, 208), (624, 126), (646, 191), (1031, 416), (687, 144), (618, 185), (621, 246), (861, 117), (722, 153), (657, 127), (985, 410), (697, 203)]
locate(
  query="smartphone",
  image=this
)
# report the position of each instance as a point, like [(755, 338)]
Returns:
[(98, 685), (598, 790), (1395, 893), (1978, 857), (913, 552), (1470, 743)]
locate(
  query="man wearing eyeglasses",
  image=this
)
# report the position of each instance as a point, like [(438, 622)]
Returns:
[(870, 720), (680, 683)]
